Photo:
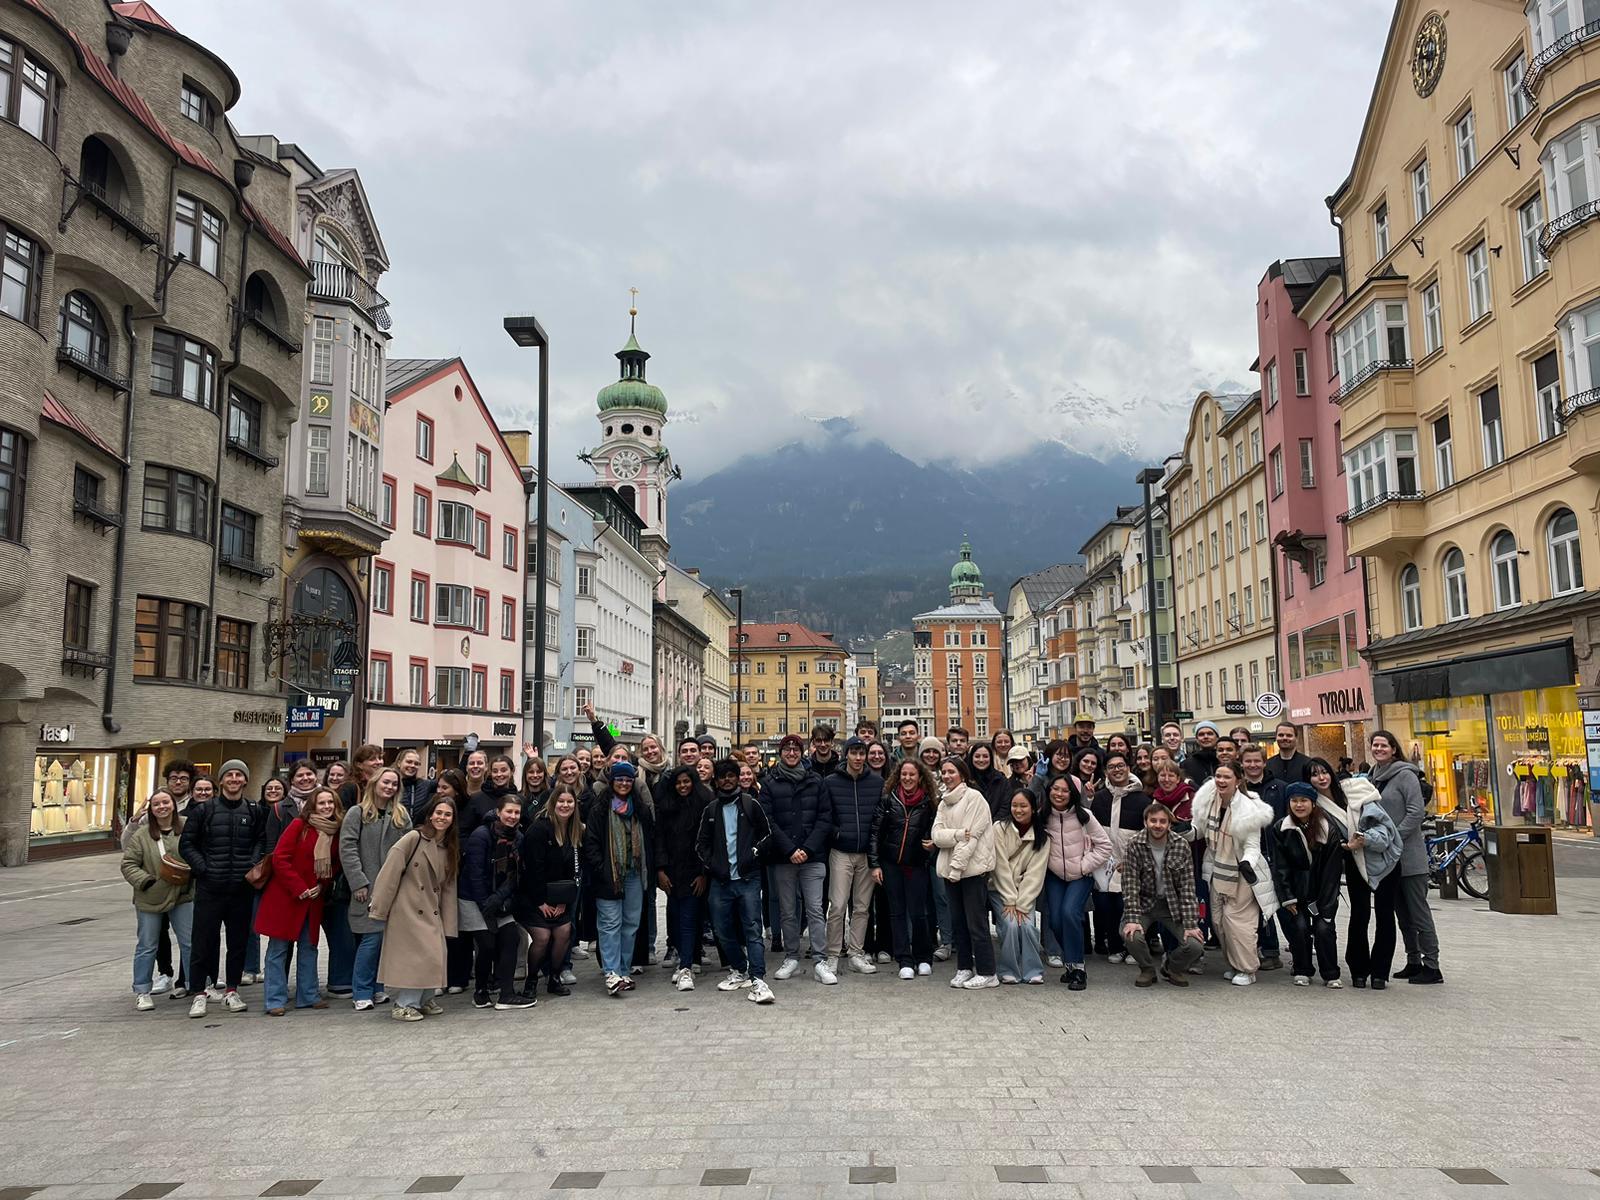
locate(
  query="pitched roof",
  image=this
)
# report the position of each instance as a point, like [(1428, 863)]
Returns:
[(982, 610), (1302, 276), (405, 375), (400, 373), (138, 10), (54, 411), (1041, 587), (764, 636)]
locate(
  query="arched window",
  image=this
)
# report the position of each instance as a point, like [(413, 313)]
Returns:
[(1455, 586), (258, 301), (327, 612), (101, 173), (83, 330), (1566, 562), (1503, 561), (1410, 598), (333, 247)]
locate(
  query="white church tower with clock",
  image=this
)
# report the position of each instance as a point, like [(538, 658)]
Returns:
[(631, 457)]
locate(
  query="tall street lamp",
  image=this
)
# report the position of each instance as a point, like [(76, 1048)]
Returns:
[(738, 664), (526, 331), (1148, 478)]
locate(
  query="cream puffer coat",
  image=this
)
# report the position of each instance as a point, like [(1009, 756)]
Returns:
[(963, 810)]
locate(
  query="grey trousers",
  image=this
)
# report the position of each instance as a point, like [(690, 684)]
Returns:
[(1181, 959), (797, 886), (1416, 920)]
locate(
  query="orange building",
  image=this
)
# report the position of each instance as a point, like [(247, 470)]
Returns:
[(960, 665), (1058, 666)]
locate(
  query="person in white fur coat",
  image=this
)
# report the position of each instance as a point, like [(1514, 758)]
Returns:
[(1231, 820)]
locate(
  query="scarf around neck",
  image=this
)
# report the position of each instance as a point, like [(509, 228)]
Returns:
[(322, 853), (626, 839), (781, 770)]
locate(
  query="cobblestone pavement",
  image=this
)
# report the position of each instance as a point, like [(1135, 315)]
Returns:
[(876, 1087)]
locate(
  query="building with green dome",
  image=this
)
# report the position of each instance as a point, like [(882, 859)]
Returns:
[(960, 668)]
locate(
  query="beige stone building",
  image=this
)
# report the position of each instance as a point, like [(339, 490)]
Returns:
[(1468, 356), (1222, 564)]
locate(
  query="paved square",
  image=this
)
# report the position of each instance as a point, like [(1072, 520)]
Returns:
[(875, 1087)]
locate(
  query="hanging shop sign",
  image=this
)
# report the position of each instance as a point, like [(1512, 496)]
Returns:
[(1235, 708), (333, 704), (346, 663), (306, 719), (1269, 705)]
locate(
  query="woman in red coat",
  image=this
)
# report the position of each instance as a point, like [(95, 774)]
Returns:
[(303, 865)]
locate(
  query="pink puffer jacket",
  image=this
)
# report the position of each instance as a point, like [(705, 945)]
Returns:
[(1077, 847)]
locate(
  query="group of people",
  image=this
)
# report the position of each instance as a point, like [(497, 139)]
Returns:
[(497, 880)]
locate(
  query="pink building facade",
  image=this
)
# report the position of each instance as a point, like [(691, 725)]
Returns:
[(1319, 590), (445, 656)]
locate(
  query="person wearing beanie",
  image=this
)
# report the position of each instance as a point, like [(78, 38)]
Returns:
[(802, 826), (1306, 871), (618, 849), (222, 840), (1201, 762), (734, 835)]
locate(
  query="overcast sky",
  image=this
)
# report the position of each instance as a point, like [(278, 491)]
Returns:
[(938, 219)]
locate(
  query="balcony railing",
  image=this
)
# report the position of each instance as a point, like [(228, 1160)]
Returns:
[(1371, 371), (1379, 501), (118, 211), (98, 369), (75, 658), (95, 513), (1575, 404), (245, 565), (335, 281), (253, 454), (269, 326), (1566, 223), (1556, 49)]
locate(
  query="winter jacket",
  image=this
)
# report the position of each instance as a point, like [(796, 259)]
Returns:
[(823, 767), (898, 831), (1247, 816), (415, 794), (363, 847), (481, 808), (1199, 765), (1305, 874), (489, 863), (1294, 768), (141, 867), (221, 841), (1399, 785), (851, 802), (543, 863), (752, 832), (678, 827), (275, 818), (415, 897), (1079, 844), (1129, 818), (136, 822), (283, 914), (1019, 865), (596, 850), (1139, 881), (963, 810), (996, 789), (801, 816), (1381, 849)]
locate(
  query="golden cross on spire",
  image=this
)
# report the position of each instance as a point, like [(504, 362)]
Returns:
[(633, 306)]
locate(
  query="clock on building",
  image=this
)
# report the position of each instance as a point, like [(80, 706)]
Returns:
[(1427, 55), (625, 464)]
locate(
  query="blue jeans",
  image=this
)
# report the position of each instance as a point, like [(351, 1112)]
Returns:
[(683, 924), (748, 957), (412, 997), (276, 983), (1067, 903), (364, 975), (341, 944), (1018, 955), (181, 920), (617, 923)]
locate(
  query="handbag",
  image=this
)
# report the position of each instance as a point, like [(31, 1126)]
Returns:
[(561, 891), (259, 875), (175, 871)]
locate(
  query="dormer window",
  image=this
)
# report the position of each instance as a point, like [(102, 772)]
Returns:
[(783, 637), (194, 104)]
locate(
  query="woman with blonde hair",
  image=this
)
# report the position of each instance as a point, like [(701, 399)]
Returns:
[(369, 831)]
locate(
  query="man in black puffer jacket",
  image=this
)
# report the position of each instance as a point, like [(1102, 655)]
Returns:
[(802, 824), (852, 796), (222, 839)]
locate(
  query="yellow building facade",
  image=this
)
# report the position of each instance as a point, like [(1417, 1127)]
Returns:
[(787, 679), (1468, 359)]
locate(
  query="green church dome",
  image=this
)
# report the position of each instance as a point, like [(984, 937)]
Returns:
[(632, 390), (965, 578)]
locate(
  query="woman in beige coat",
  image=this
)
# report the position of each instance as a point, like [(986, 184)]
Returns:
[(963, 829), (415, 897)]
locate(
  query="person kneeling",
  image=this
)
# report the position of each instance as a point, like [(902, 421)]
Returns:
[(734, 833), (1158, 892)]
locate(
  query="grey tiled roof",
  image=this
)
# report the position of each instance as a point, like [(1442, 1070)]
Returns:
[(401, 373)]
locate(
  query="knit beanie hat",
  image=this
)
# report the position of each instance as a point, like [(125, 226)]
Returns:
[(621, 770), (234, 764), (930, 743), (792, 739), (1300, 789)]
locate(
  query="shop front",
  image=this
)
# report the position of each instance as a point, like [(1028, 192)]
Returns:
[(446, 740), (1502, 730), (1328, 694)]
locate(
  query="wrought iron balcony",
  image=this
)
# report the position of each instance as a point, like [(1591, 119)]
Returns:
[(1575, 404), (335, 281), (252, 454), (1556, 49), (1371, 371), (245, 565), (269, 326), (118, 211), (96, 513), (74, 658), (98, 369), (1378, 501), (1566, 223)]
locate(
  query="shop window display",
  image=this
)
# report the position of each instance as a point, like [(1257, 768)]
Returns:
[(1539, 753), (73, 795), (1449, 740)]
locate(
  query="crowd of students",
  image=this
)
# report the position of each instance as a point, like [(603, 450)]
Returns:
[(902, 856)]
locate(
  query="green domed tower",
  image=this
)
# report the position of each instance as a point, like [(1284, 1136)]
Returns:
[(966, 581)]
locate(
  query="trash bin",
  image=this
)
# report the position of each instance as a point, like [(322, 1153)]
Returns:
[(1522, 869)]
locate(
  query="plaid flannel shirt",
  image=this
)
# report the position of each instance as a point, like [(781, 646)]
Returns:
[(1139, 880)]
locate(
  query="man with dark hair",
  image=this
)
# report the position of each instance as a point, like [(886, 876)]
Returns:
[(867, 730), (907, 735), (956, 740), (823, 759), (180, 774), (1158, 893), (802, 826), (734, 832), (688, 752), (1083, 735), (1227, 751), (852, 796), (1200, 764), (1288, 765)]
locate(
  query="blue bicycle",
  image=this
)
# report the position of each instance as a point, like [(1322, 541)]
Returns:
[(1463, 851)]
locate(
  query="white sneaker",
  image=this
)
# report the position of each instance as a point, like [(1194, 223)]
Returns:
[(143, 1002), (580, 951), (697, 968), (568, 978), (1228, 973), (1333, 983), (734, 981), (380, 997), (683, 979), (1055, 961), (214, 993), (1116, 958), (361, 1005), (161, 984), (942, 952), (1008, 979), (760, 993), (247, 978), (960, 979), (884, 957), (823, 973), (908, 972), (787, 970), (449, 991), (197, 1007), (635, 971), (924, 969), (1302, 981), (861, 964), (234, 1003), (1240, 979), (979, 982)]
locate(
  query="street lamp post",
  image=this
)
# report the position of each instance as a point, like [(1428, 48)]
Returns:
[(526, 331), (1148, 477), (738, 664)]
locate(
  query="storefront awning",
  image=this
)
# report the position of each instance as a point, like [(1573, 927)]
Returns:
[(1549, 665)]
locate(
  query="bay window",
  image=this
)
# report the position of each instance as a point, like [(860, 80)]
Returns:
[(21, 275), (30, 92), (455, 522), (183, 368), (1382, 468), (1377, 337), (197, 233), (1551, 20), (1580, 342)]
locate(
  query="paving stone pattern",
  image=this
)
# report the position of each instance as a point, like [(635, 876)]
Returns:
[(876, 1087)]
